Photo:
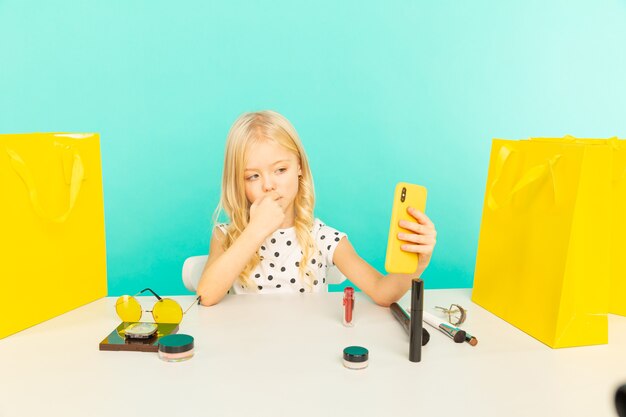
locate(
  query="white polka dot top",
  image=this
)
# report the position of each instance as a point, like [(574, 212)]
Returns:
[(278, 271)]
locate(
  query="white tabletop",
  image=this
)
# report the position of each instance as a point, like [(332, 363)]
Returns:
[(269, 355)]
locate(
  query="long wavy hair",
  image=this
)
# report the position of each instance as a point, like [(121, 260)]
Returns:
[(248, 129)]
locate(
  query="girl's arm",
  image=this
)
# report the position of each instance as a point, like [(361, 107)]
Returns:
[(384, 290), (223, 267)]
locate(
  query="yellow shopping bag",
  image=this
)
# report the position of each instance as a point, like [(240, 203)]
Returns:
[(617, 286), (617, 296), (52, 223), (544, 246)]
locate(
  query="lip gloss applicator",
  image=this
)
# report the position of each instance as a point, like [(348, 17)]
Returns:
[(417, 309)]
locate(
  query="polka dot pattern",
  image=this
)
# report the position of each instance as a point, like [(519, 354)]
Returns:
[(281, 256)]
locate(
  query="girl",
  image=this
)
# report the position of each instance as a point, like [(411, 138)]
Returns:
[(273, 242)]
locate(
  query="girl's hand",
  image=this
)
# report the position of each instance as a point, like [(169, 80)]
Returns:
[(267, 214), (422, 240)]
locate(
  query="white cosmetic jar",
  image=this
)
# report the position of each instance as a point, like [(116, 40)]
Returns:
[(355, 357)]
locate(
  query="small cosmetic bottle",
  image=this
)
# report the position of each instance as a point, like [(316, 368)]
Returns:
[(176, 347), (355, 357), (348, 306)]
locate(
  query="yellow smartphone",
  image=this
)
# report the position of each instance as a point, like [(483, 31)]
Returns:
[(406, 195)]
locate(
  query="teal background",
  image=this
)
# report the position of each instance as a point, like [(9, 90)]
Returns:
[(379, 92)]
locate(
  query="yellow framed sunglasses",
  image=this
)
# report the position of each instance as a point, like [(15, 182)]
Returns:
[(456, 314), (165, 310)]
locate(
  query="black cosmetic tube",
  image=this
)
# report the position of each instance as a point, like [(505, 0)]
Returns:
[(417, 309), (403, 318)]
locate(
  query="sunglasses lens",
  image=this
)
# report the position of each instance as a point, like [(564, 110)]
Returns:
[(167, 310), (128, 308)]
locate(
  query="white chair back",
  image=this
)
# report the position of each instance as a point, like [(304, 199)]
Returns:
[(192, 271)]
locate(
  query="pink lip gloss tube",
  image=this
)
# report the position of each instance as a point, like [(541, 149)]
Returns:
[(348, 306)]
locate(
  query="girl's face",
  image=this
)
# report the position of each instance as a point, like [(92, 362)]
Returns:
[(271, 167)]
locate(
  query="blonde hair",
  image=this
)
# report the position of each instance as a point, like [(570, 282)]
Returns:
[(248, 129)]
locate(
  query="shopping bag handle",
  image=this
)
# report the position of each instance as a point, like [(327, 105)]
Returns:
[(613, 142), (77, 177), (533, 175)]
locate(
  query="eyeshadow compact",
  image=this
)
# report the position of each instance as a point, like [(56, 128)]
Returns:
[(176, 347), (140, 330)]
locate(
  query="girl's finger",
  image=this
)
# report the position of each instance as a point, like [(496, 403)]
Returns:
[(420, 216), (412, 226), (418, 228), (259, 200), (421, 239), (417, 248)]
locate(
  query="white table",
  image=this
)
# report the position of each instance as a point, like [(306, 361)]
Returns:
[(272, 355)]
